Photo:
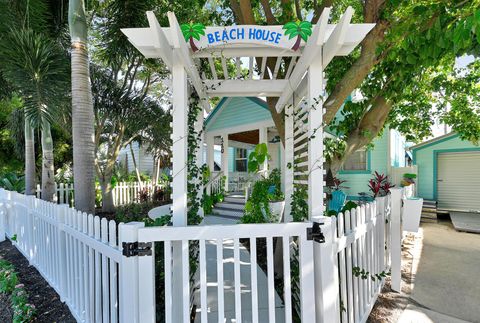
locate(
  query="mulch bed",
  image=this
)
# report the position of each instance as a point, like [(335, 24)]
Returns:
[(48, 306)]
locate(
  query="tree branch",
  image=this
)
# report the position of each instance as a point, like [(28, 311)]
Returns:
[(268, 12)]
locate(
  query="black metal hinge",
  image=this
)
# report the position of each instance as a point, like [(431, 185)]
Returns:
[(136, 248), (315, 233)]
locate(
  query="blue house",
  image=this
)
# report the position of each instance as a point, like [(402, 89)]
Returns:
[(449, 172), (237, 124)]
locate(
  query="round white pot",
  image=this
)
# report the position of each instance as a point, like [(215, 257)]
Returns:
[(159, 211), (277, 209)]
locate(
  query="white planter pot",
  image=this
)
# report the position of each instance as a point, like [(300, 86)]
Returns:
[(159, 211), (381, 202), (277, 209), (412, 211)]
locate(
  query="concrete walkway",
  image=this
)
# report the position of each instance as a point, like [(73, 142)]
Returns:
[(447, 276), (229, 289)]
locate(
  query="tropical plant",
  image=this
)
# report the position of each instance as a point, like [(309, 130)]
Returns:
[(257, 158), (299, 29), (379, 185), (191, 31), (408, 179), (82, 110), (38, 68), (13, 182), (299, 204)]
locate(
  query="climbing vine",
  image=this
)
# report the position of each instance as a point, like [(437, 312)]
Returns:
[(194, 173)]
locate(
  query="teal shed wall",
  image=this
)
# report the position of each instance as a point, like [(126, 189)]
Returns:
[(424, 157), (237, 111), (357, 181)]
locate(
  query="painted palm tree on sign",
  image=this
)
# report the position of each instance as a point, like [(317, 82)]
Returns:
[(300, 29), (191, 31)]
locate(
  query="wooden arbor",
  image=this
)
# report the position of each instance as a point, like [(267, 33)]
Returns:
[(300, 91)]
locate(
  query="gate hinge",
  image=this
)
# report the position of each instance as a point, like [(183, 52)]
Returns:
[(315, 233), (136, 248)]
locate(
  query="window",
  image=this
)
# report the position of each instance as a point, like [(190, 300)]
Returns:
[(240, 160), (357, 161)]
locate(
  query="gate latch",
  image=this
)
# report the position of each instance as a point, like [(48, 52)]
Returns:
[(136, 248), (315, 233)]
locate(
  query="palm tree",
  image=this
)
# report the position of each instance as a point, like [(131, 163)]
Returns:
[(82, 111), (37, 68), (299, 29), (191, 31)]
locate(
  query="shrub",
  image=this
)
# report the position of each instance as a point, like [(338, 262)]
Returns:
[(22, 310)]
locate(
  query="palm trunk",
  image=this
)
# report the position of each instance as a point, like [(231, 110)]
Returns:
[(48, 169), (82, 111), (297, 43), (29, 159), (107, 193), (137, 172), (155, 171)]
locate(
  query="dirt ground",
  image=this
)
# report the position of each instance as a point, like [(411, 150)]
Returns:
[(390, 304), (48, 306)]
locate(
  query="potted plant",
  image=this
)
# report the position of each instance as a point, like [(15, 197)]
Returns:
[(408, 183), (380, 187), (276, 198)]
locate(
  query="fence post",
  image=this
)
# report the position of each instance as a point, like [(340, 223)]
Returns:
[(62, 251), (326, 273), (30, 239), (128, 274), (396, 238), (3, 215)]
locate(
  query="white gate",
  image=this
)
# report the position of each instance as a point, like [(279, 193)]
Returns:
[(229, 276)]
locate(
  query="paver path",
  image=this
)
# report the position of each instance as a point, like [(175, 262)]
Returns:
[(447, 279), (229, 290)]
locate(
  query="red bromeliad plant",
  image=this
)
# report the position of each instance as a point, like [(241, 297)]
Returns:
[(379, 185)]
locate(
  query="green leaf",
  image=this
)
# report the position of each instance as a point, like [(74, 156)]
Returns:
[(290, 25)]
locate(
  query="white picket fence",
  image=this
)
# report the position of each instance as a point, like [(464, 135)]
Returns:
[(81, 258), (123, 192)]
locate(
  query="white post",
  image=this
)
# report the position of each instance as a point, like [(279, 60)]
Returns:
[(326, 273), (396, 238), (263, 139), (128, 273), (210, 140), (3, 215), (288, 162), (315, 133), (225, 159), (62, 251)]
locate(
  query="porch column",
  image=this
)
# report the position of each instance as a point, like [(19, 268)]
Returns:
[(288, 162), (179, 181), (263, 139), (225, 159), (315, 133), (210, 140)]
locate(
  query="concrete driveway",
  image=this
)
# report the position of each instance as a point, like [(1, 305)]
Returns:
[(447, 279)]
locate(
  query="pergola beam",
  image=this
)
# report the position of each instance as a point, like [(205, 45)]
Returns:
[(337, 38), (312, 49), (267, 88), (183, 54)]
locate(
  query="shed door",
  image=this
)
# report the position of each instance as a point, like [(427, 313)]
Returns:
[(458, 181)]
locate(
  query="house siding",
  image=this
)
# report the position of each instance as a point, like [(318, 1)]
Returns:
[(238, 111), (357, 182), (424, 157)]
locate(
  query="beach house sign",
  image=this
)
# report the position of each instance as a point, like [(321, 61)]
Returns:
[(289, 36)]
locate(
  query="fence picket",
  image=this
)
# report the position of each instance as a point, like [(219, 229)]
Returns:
[(270, 281), (105, 289), (237, 279), (98, 277)]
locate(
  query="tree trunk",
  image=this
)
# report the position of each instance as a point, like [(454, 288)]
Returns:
[(82, 111), (137, 172), (48, 169), (29, 159), (107, 193)]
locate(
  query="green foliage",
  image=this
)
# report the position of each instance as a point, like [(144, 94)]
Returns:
[(207, 204), (363, 274), (275, 180), (135, 211), (9, 284), (257, 209), (158, 222), (299, 204), (38, 68), (349, 206), (257, 157), (13, 182)]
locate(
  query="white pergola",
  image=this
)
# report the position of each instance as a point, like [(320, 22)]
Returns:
[(300, 88)]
